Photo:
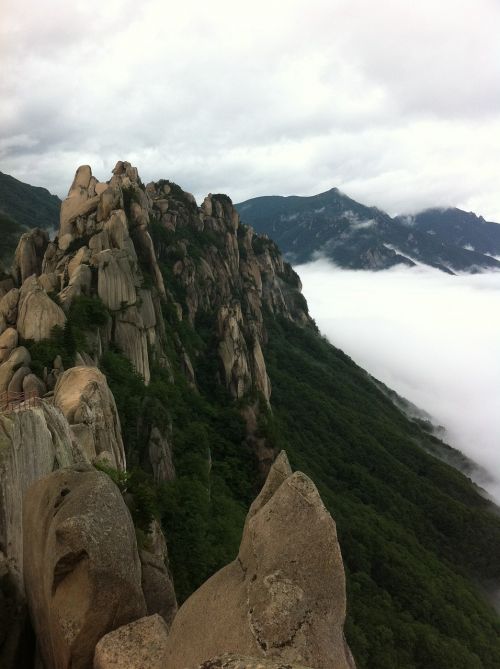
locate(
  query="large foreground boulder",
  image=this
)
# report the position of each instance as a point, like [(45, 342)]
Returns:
[(81, 567), (32, 443), (283, 598)]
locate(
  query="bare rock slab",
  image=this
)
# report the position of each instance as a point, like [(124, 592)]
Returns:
[(138, 645)]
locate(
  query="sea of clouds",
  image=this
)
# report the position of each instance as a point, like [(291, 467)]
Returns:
[(432, 337)]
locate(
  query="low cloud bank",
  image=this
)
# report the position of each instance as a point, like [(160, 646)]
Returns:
[(433, 338)]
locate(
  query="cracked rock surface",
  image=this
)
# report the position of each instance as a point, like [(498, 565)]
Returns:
[(283, 598)]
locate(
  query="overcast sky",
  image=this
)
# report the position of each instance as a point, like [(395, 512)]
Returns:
[(396, 102)]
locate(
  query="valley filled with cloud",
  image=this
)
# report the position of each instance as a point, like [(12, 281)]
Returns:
[(432, 337)]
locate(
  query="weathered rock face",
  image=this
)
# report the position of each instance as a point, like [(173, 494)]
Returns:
[(114, 221), (156, 581), (32, 444), (83, 396), (29, 254), (283, 598), (113, 237), (238, 276), (107, 225), (160, 456), (81, 567), (8, 341), (38, 314), (131, 338), (138, 645), (19, 357), (8, 308), (233, 351)]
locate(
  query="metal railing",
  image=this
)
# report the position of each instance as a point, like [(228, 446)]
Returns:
[(18, 401)]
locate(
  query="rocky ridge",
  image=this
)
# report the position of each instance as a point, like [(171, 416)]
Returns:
[(124, 255)]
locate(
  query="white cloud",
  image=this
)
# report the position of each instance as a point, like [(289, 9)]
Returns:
[(395, 103), (431, 337)]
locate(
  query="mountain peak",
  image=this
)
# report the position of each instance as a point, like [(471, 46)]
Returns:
[(355, 236)]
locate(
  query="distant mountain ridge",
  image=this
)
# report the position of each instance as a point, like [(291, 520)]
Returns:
[(355, 236), (457, 227), (30, 206), (22, 207)]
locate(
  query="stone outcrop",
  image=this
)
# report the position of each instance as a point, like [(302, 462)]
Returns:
[(8, 308), (157, 584), (103, 241), (81, 567), (138, 645), (33, 386), (32, 444), (160, 456), (105, 247), (29, 254), (8, 342), (283, 598), (233, 351), (234, 275), (115, 279), (38, 313), (83, 396), (131, 338), (19, 357)]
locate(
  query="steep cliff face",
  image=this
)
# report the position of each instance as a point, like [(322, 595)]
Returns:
[(223, 268), (136, 247), (157, 264)]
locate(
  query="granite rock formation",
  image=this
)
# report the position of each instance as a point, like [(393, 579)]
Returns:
[(83, 396), (283, 598), (81, 567)]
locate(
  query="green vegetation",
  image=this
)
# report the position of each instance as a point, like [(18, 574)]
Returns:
[(85, 315), (178, 195), (29, 206), (415, 535), (203, 510), (141, 496), (417, 538), (10, 232)]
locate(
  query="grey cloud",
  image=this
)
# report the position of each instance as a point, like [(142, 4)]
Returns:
[(330, 93)]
